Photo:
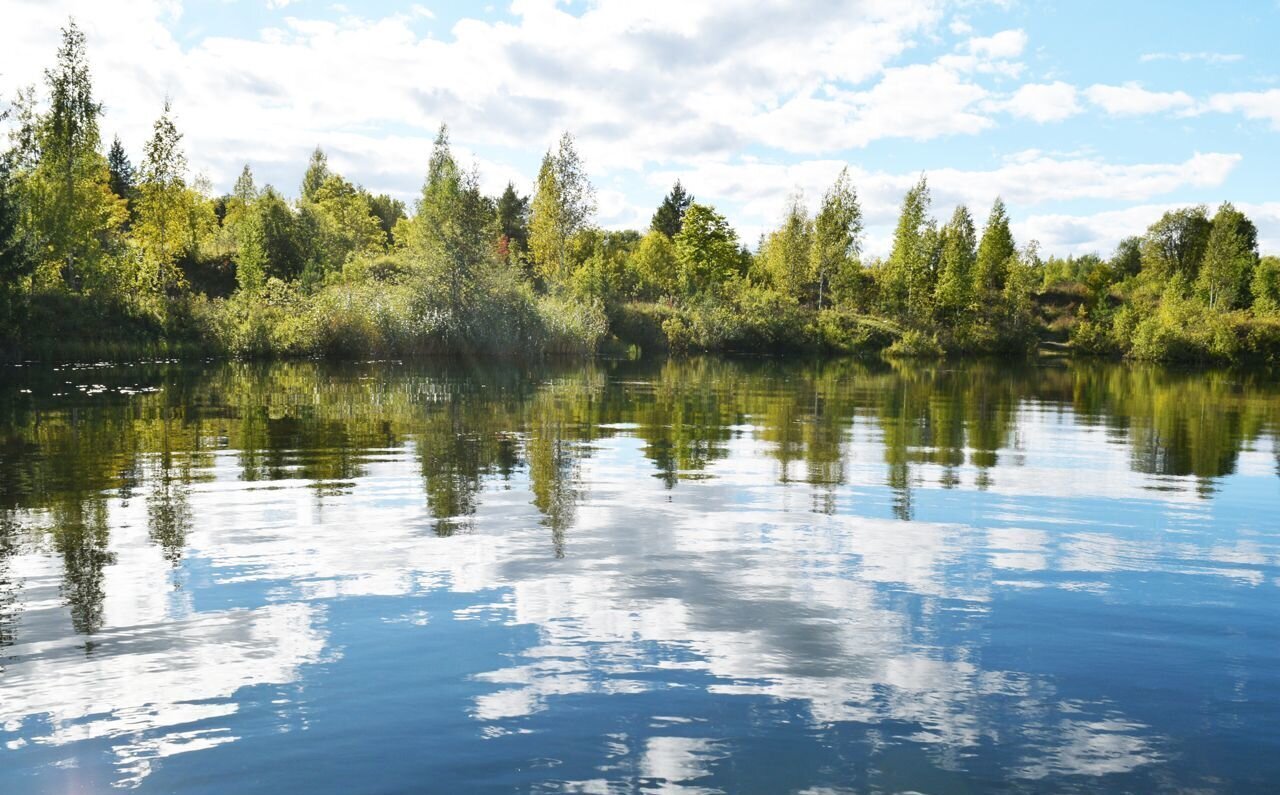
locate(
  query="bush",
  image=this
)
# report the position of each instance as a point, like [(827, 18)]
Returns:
[(915, 344)]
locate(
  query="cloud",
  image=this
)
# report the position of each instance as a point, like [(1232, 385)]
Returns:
[(1188, 57), (1131, 99), (1100, 232), (1005, 44), (1258, 105), (1043, 102)]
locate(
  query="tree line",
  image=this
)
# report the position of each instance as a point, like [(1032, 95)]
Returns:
[(98, 255)]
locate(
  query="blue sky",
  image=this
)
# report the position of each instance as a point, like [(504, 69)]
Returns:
[(1089, 118)]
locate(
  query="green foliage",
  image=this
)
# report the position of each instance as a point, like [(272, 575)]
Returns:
[(837, 232), (669, 217), (915, 344), (706, 249), (908, 277), (656, 266), (785, 253), (1230, 254), (1265, 286), (1175, 244), (995, 250), (953, 297), (562, 206)]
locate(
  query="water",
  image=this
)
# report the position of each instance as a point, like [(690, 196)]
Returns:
[(638, 577)]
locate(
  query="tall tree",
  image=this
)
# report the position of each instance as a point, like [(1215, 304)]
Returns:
[(785, 253), (316, 174), (996, 248), (837, 232), (1127, 261), (562, 206), (16, 260), (1230, 254), (669, 217), (389, 212), (455, 224), (959, 254), (72, 206), (909, 277), (270, 242), (162, 204), (245, 190)]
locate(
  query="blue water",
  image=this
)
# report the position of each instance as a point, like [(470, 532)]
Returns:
[(701, 576)]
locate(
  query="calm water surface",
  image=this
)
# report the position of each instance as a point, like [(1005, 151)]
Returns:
[(696, 576)]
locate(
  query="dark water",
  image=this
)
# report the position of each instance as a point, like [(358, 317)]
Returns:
[(679, 577)]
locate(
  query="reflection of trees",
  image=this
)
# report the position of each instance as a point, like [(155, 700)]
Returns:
[(64, 461)]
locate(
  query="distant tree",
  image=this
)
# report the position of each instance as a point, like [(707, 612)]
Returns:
[(670, 214), (562, 205), (121, 171), (389, 212), (837, 232), (1230, 254), (513, 223), (245, 191), (707, 250), (345, 227), (1175, 244), (316, 174)]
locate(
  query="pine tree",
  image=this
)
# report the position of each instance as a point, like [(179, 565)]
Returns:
[(513, 223), (908, 273), (669, 216)]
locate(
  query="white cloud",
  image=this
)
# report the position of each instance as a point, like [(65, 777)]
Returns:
[(1131, 99), (1043, 102), (1188, 57), (1260, 105), (1005, 44)]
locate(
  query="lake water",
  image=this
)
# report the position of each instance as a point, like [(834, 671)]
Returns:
[(694, 576)]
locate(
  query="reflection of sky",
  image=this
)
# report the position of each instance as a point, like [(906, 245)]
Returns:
[(989, 638)]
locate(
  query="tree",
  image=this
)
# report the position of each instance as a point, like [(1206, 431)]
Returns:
[(455, 225), (562, 205), (1230, 254), (994, 253), (16, 260), (72, 208), (513, 224), (908, 273), (270, 244), (120, 171), (669, 216), (345, 227), (954, 293), (162, 205), (656, 266), (785, 253), (245, 191), (389, 212), (1127, 261), (836, 234), (316, 174), (1265, 286), (1174, 245), (707, 250)]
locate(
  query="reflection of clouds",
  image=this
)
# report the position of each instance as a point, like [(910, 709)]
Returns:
[(1092, 748)]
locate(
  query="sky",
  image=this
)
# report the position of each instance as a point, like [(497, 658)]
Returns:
[(1089, 118)]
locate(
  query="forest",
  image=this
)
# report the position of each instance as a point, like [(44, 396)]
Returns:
[(103, 258)]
